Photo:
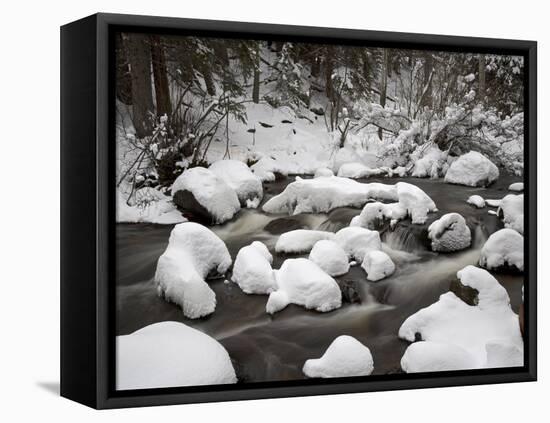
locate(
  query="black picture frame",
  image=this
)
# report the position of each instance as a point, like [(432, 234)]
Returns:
[(88, 207)]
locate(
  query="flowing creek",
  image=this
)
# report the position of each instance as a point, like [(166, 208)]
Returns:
[(274, 348)]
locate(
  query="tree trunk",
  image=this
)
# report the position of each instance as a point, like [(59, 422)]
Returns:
[(329, 68), (123, 78), (162, 89), (482, 77), (383, 83), (426, 99), (139, 58), (256, 87)]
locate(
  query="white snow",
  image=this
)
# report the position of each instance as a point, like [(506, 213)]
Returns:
[(302, 282), (493, 202), (300, 240), (323, 194), (378, 265), (159, 209), (357, 242), (238, 176), (449, 233), (330, 257), (252, 269), (344, 357), (374, 213), (511, 208), (472, 169), (429, 164), (476, 201), (429, 356), (210, 191), (357, 170), (504, 247), (170, 354), (266, 167), (471, 328), (323, 171), (193, 252), (518, 187)]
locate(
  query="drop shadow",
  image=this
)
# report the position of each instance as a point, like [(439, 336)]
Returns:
[(50, 387)]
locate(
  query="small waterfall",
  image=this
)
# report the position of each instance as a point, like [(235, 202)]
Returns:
[(406, 238)]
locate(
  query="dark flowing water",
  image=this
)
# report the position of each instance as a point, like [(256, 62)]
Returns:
[(274, 348)]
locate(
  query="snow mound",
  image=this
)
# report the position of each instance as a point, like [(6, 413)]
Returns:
[(238, 176), (302, 282), (252, 269), (193, 252), (476, 201), (345, 357), (266, 168), (323, 172), (330, 257), (300, 240), (518, 187), (378, 265), (210, 191), (449, 233), (511, 208), (504, 248), (493, 202), (170, 354), (472, 328), (429, 164), (320, 195), (357, 242), (472, 169), (427, 356), (357, 170)]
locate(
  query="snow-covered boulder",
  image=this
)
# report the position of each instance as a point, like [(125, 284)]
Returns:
[(511, 209), (330, 257), (238, 176), (517, 187), (472, 169), (429, 356), (210, 191), (323, 172), (193, 252), (373, 214), (503, 250), (476, 201), (320, 195), (302, 282), (491, 202), (449, 233), (267, 169), (357, 171), (170, 354), (345, 357), (252, 269), (472, 328), (357, 242), (300, 240), (378, 265)]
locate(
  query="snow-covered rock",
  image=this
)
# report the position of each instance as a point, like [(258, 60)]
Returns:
[(210, 191), (266, 169), (517, 187), (504, 248), (472, 169), (252, 269), (302, 282), (491, 202), (238, 176), (344, 357), (321, 195), (430, 164), (150, 206), (330, 257), (429, 356), (357, 171), (170, 354), (476, 201), (378, 265), (449, 233), (374, 213), (511, 208), (471, 328), (323, 172), (300, 240), (357, 242), (193, 252)]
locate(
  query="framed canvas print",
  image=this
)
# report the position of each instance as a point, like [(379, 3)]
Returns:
[(254, 211)]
